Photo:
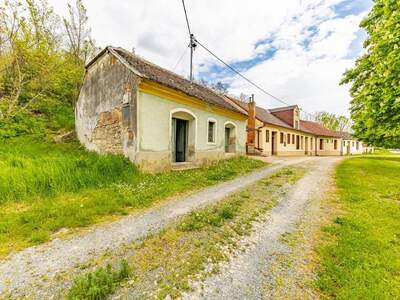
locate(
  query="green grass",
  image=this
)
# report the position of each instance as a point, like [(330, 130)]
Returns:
[(45, 187), (361, 256), (164, 263), (99, 284)]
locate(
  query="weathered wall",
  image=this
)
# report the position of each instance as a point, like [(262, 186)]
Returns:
[(154, 132), (99, 121)]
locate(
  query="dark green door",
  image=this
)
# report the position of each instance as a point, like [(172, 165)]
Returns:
[(181, 138), (227, 137)]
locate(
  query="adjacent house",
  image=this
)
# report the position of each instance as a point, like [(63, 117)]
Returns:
[(350, 145), (280, 131), (156, 118)]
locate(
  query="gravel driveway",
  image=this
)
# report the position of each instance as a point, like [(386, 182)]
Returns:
[(246, 275), (32, 271)]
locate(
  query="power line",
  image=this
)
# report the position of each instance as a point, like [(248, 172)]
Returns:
[(192, 42), (186, 16), (180, 59), (245, 78)]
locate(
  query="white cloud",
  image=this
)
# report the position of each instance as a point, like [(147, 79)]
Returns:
[(309, 77)]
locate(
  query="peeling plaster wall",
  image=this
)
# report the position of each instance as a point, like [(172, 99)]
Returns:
[(99, 117)]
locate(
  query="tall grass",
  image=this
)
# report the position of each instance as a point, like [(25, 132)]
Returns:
[(45, 187), (28, 169)]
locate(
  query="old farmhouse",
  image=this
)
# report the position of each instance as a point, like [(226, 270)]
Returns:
[(280, 131), (157, 119)]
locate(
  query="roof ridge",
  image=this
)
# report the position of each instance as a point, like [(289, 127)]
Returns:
[(166, 70)]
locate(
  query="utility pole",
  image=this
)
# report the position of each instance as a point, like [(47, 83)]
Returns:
[(192, 42), (192, 46)]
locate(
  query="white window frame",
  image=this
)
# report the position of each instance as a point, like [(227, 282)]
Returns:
[(212, 120)]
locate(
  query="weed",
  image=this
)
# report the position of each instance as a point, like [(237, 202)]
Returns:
[(99, 284)]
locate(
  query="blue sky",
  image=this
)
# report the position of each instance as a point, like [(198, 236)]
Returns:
[(295, 49)]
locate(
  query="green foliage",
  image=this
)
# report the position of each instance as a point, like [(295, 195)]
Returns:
[(361, 257), (375, 91), (99, 284), (214, 216), (39, 77), (29, 169), (332, 121)]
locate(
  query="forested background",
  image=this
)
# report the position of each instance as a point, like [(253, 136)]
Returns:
[(42, 58)]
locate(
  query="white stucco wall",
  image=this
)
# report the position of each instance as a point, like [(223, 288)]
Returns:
[(154, 127), (353, 147)]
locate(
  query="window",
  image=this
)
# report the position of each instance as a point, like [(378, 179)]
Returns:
[(335, 144), (297, 142), (267, 136), (357, 145), (125, 115), (311, 142), (211, 131), (321, 144), (296, 124), (288, 138), (293, 142), (302, 142), (281, 137), (352, 144)]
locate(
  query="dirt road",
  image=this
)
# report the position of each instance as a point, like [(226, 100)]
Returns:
[(32, 272), (252, 272)]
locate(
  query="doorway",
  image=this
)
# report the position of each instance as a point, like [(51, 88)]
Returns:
[(306, 141), (230, 137), (227, 137), (274, 143), (180, 139)]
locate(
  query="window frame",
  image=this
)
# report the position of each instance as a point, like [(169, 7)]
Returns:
[(267, 136), (213, 121), (281, 137)]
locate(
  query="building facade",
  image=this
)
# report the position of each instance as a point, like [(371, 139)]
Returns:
[(281, 132), (154, 117)]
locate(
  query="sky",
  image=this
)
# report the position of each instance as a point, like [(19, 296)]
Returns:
[(296, 50)]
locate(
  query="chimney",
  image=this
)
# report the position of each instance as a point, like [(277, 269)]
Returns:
[(251, 125)]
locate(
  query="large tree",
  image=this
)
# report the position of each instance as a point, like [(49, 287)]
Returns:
[(332, 121), (375, 91)]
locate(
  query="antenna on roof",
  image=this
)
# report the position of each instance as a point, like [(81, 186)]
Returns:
[(192, 42)]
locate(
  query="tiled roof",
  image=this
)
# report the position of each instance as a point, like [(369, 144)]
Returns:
[(345, 135), (262, 114), (169, 79), (283, 108), (317, 129)]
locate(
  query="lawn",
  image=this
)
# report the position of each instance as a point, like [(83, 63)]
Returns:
[(45, 187), (361, 256)]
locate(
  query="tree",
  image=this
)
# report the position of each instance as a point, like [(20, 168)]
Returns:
[(79, 40), (219, 87), (332, 121), (375, 91), (39, 76)]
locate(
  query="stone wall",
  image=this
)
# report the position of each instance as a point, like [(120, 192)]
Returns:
[(108, 87), (107, 134)]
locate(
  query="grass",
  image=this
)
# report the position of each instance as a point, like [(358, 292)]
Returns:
[(361, 254), (45, 187), (164, 264), (99, 284)]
